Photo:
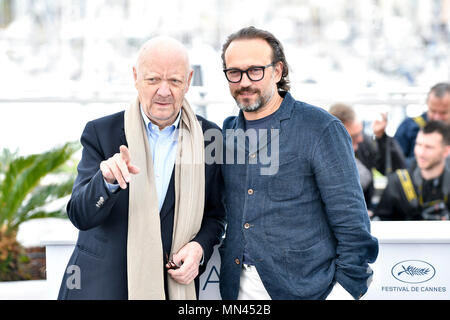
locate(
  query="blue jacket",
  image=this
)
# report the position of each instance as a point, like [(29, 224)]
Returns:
[(306, 226), (406, 135)]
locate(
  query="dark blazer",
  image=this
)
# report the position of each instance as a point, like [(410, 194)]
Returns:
[(102, 217)]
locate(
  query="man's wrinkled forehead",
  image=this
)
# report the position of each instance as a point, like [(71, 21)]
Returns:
[(163, 48)]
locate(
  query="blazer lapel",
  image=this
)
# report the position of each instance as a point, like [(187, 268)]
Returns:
[(123, 138), (169, 200)]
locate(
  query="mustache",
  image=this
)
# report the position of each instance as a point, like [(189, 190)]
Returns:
[(247, 90), (162, 100)]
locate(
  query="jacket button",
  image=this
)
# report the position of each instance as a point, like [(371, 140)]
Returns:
[(253, 156), (250, 191), (100, 202), (237, 261), (247, 225)]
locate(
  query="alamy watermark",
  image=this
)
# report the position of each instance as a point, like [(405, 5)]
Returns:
[(74, 280), (254, 147)]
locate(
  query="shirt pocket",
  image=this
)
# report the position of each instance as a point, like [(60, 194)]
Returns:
[(288, 182)]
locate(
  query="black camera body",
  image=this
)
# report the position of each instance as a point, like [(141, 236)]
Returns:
[(437, 211)]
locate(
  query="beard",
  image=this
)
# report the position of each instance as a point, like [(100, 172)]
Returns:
[(261, 101), (250, 107), (428, 165)]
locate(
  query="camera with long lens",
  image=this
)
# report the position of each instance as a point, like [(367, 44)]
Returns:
[(436, 211)]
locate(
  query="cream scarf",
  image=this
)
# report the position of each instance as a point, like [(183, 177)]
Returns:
[(145, 264)]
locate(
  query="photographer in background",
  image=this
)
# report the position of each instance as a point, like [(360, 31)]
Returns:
[(382, 153), (438, 103), (421, 193)]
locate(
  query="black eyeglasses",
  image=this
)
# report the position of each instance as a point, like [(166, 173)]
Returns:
[(256, 73)]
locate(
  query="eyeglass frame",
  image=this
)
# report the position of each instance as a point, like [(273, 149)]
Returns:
[(246, 72)]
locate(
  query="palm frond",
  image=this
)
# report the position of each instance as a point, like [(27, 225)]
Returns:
[(6, 156), (41, 197), (44, 164), (14, 170), (22, 180)]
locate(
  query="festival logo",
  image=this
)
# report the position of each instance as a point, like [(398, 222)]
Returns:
[(413, 271)]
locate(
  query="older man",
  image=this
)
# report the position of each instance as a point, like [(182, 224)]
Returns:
[(297, 221), (148, 208)]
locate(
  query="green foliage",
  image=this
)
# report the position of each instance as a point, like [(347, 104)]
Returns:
[(24, 195)]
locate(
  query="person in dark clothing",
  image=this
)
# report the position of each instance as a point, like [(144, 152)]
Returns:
[(382, 153), (421, 193), (438, 101), (148, 206)]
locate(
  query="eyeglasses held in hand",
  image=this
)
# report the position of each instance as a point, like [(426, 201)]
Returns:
[(255, 73)]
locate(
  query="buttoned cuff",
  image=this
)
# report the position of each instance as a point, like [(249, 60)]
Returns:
[(112, 187)]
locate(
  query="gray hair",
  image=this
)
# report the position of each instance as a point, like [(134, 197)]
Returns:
[(439, 90)]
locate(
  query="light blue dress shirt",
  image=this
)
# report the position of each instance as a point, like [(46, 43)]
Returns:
[(163, 146)]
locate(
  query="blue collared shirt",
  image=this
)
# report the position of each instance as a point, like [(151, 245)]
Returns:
[(163, 146)]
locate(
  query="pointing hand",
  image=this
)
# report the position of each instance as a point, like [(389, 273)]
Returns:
[(119, 168)]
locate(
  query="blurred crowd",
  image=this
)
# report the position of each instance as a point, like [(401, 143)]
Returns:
[(416, 160)]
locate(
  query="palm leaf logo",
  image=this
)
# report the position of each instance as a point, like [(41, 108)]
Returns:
[(413, 271)]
